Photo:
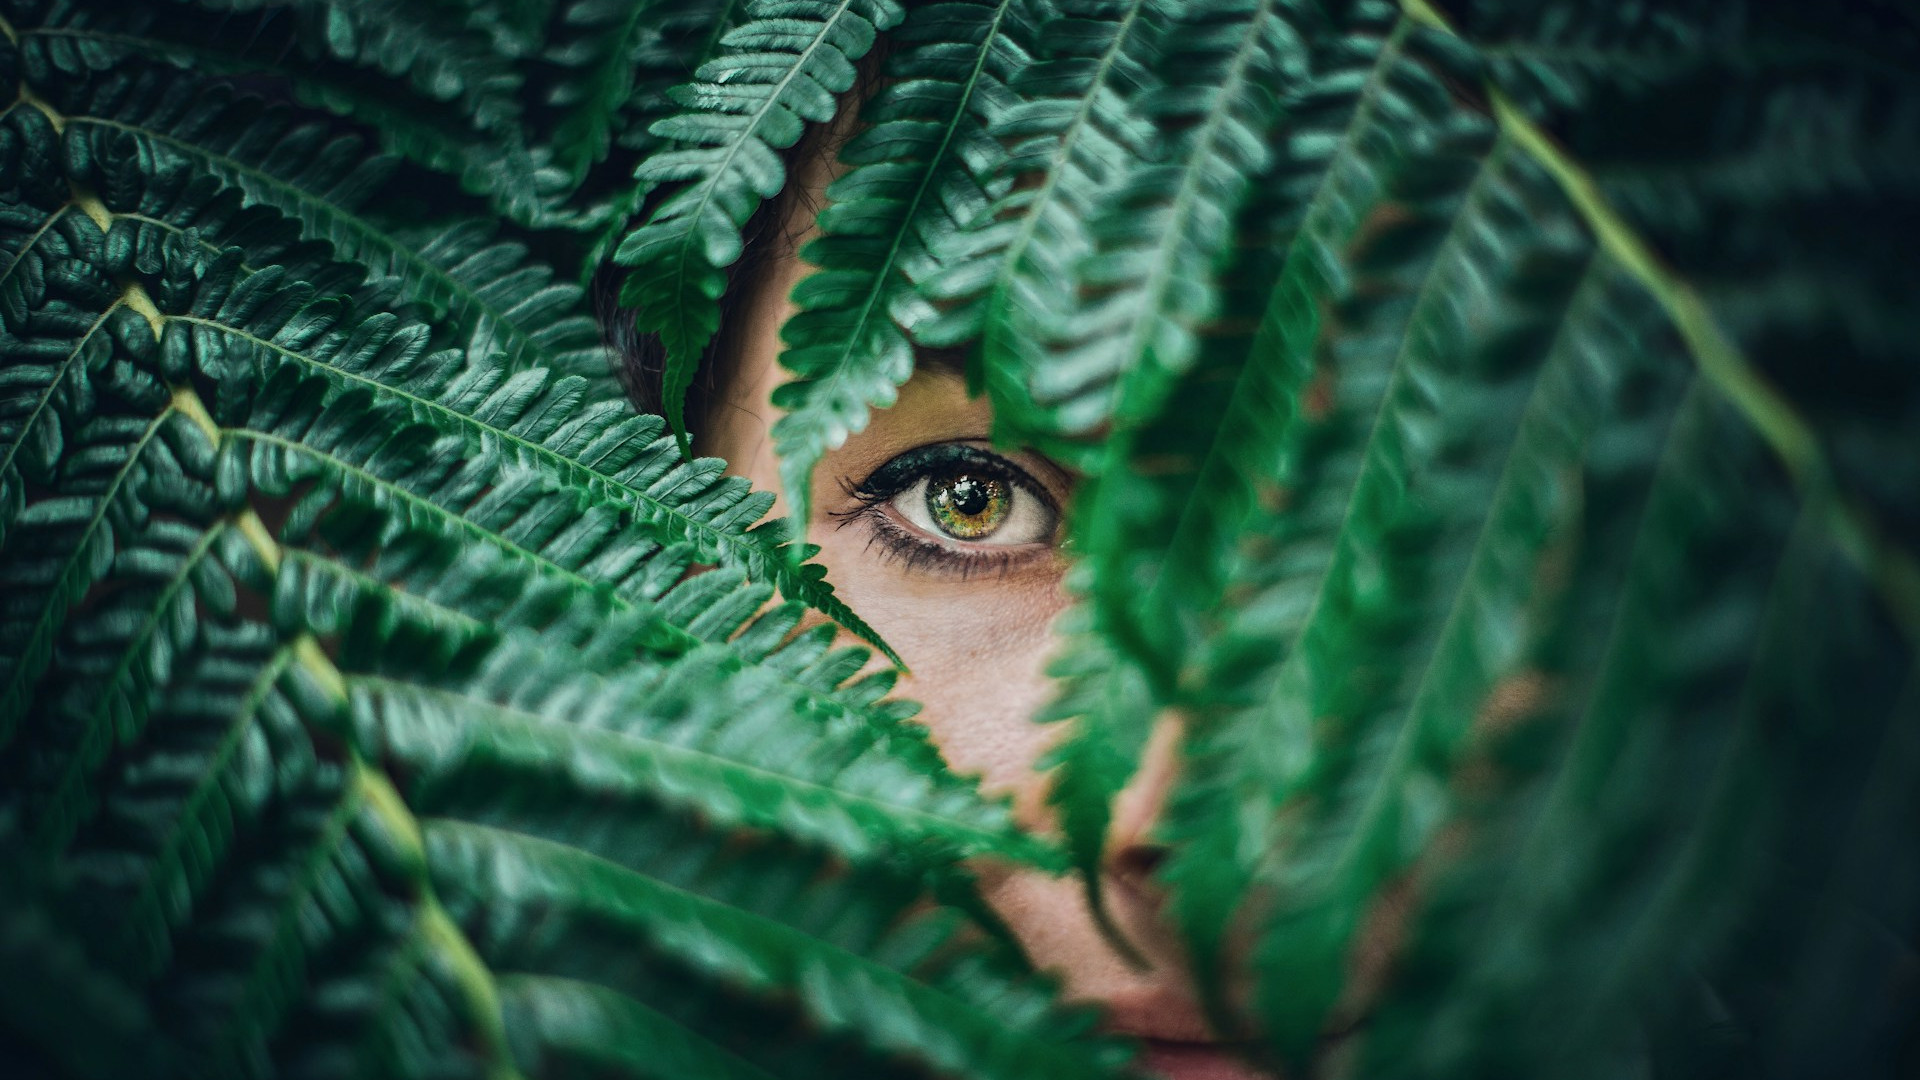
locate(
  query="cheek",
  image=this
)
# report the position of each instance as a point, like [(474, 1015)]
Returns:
[(977, 651)]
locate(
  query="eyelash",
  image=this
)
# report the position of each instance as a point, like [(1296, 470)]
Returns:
[(905, 545)]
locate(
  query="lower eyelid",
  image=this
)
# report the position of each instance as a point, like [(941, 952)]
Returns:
[(916, 555)]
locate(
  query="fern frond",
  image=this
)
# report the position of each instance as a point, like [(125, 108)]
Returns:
[(1643, 758), (428, 44), (275, 926), (117, 659), (68, 427), (249, 329), (1391, 404), (382, 516), (375, 518), (1075, 131), (851, 737), (688, 35), (304, 170), (1498, 438), (613, 55), (73, 542), (780, 70), (1363, 700), (520, 876), (1160, 486), (922, 169), (505, 300), (709, 734), (1221, 455), (299, 498), (585, 1029), (228, 744), (1166, 231), (29, 151), (769, 884), (1113, 707), (473, 134), (64, 303), (458, 270)]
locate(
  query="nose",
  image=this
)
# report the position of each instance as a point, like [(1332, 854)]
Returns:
[(1132, 853)]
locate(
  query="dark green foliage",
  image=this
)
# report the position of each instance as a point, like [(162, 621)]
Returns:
[(781, 69), (1159, 237), (1441, 468), (1498, 437), (1069, 129), (301, 498), (922, 168)]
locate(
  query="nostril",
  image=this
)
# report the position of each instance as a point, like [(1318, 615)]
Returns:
[(1135, 864)]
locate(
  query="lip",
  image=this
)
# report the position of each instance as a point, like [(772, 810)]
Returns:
[(1159, 1015), (1174, 1037), (1178, 1060)]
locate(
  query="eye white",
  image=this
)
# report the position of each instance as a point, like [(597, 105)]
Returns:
[(1028, 521)]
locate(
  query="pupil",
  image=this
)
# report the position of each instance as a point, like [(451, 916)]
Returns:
[(967, 495), (965, 506)]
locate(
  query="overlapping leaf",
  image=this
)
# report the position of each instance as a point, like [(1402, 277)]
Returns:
[(1075, 132), (276, 546), (1499, 426), (922, 169), (780, 70)]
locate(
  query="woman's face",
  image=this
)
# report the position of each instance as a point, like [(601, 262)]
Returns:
[(949, 549)]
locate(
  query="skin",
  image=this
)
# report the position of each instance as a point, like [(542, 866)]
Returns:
[(976, 641)]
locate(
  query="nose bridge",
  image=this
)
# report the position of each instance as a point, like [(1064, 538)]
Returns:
[(1137, 809)]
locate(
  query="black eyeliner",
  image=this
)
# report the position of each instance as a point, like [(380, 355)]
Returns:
[(899, 473)]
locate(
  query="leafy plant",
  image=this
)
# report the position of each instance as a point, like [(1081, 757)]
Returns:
[(1499, 435)]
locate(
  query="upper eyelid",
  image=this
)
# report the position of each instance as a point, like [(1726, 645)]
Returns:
[(1062, 475), (1013, 470)]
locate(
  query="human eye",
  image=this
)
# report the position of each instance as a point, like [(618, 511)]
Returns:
[(956, 507)]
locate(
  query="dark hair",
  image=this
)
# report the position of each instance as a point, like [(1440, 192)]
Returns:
[(639, 359)]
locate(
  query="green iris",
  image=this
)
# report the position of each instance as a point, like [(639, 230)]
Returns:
[(967, 506)]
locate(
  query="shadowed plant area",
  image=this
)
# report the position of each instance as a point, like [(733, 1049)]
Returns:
[(1499, 431)]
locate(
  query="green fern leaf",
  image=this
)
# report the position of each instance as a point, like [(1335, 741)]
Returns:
[(56, 433), (473, 136), (1497, 429), (248, 329), (613, 53), (921, 170), (780, 70), (1127, 663), (489, 289), (1166, 231), (588, 1030), (429, 45), (686, 34), (297, 498), (843, 992), (712, 735), (1412, 618), (1076, 133), (166, 826)]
